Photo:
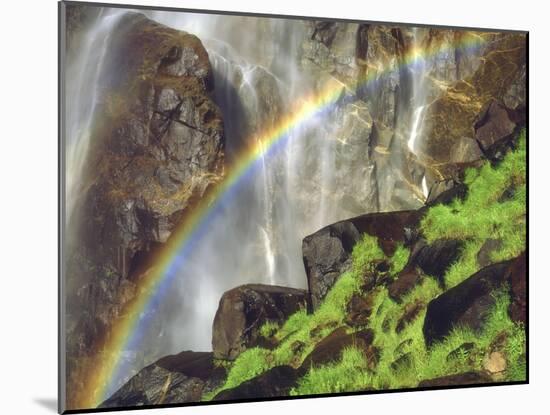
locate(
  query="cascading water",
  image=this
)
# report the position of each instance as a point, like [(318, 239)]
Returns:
[(82, 96), (256, 237)]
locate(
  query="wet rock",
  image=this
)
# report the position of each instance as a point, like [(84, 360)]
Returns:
[(244, 310), (275, 382), (327, 253), (469, 303), (330, 348), (173, 379), (468, 378), (484, 255)]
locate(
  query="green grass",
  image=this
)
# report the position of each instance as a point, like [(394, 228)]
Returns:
[(482, 215), (350, 373)]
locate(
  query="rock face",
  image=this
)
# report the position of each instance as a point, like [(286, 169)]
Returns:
[(173, 379), (327, 252), (244, 310), (477, 102), (468, 303), (156, 148)]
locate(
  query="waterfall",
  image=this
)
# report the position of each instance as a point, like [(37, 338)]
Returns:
[(257, 236), (419, 72), (82, 96)]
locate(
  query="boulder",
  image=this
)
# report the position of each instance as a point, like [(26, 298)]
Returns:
[(436, 258), (242, 312), (329, 350), (469, 303), (493, 125), (275, 382), (460, 379), (327, 252), (173, 379)]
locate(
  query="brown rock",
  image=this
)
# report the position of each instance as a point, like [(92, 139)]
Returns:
[(404, 283), (244, 310), (494, 363), (327, 252), (469, 303), (330, 348), (494, 124)]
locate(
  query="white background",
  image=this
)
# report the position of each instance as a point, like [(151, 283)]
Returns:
[(28, 203)]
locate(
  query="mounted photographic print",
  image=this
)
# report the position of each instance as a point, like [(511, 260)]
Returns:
[(261, 207)]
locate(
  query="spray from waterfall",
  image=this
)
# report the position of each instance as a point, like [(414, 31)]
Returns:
[(83, 95)]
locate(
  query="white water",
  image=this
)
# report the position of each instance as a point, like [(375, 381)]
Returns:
[(419, 71), (257, 237), (82, 96)]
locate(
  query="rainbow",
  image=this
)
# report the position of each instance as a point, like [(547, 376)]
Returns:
[(128, 329)]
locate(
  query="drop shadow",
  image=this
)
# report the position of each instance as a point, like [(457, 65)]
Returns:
[(48, 403)]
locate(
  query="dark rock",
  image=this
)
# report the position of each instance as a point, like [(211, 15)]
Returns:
[(330, 348), (462, 350), (173, 379), (468, 378), (486, 250), (518, 287), (244, 310), (469, 303), (410, 313), (327, 252), (493, 125), (404, 283), (445, 191), (436, 258), (275, 382)]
